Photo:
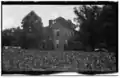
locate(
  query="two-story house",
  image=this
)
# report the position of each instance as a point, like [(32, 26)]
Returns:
[(62, 31)]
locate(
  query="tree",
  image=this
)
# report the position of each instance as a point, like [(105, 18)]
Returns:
[(110, 26), (96, 24), (7, 37), (86, 15), (32, 29), (11, 37)]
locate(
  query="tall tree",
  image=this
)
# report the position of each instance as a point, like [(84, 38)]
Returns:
[(96, 24), (32, 27), (7, 37), (86, 15), (110, 26)]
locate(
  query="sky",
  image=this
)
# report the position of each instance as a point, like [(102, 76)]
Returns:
[(12, 15)]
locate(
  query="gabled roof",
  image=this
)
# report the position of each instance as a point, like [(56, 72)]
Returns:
[(32, 13), (65, 23)]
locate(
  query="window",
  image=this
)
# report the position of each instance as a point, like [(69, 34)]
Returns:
[(57, 43), (57, 32), (66, 41), (30, 30), (54, 22)]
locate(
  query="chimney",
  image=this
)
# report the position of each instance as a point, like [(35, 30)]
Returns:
[(50, 22)]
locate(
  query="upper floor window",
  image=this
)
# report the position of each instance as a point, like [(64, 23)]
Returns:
[(57, 32), (54, 21)]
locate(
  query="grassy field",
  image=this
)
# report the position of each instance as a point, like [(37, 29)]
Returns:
[(14, 59)]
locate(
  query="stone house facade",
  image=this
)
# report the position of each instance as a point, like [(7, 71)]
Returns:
[(61, 33)]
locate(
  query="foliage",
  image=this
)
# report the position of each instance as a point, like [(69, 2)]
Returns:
[(18, 59), (97, 25), (32, 30), (10, 37)]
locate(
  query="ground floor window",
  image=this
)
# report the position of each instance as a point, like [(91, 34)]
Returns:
[(57, 43)]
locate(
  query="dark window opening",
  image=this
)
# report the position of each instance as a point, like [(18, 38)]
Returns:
[(57, 45), (58, 34)]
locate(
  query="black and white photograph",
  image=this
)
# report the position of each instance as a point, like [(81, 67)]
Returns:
[(47, 38)]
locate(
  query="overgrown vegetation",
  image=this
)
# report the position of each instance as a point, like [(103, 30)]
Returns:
[(98, 26), (32, 60)]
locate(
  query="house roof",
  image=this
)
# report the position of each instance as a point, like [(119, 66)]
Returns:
[(65, 23)]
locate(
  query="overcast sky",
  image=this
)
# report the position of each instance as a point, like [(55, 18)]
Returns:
[(13, 14)]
